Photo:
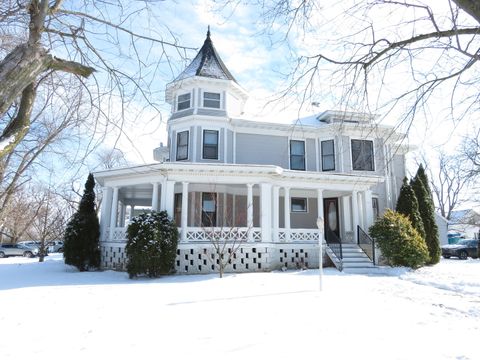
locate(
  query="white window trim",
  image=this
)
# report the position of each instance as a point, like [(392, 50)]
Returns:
[(219, 130), (299, 211), (191, 101), (289, 152), (200, 105), (188, 144), (374, 155)]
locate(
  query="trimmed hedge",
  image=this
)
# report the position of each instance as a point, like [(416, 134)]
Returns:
[(151, 249), (398, 240)]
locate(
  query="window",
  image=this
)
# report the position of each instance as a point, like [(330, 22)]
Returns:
[(376, 209), (183, 102), (211, 100), (177, 212), (297, 155), (328, 155), (209, 209), (362, 155), (210, 144), (182, 145), (298, 204)]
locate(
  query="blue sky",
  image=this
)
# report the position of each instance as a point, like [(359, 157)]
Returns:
[(259, 62)]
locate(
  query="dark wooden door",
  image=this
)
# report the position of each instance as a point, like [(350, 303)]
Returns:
[(331, 215)]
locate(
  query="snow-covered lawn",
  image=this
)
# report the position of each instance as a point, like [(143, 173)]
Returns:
[(50, 311)]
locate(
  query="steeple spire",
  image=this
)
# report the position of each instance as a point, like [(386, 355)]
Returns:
[(208, 33)]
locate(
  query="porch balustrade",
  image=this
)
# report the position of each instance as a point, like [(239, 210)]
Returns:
[(298, 235), (193, 234)]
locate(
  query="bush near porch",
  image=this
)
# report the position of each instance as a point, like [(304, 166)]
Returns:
[(399, 241), (152, 240)]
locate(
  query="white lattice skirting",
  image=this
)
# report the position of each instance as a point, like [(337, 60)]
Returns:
[(197, 258)]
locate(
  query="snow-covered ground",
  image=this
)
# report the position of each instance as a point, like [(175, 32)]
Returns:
[(51, 311)]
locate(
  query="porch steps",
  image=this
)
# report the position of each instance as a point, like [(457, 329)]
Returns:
[(354, 258)]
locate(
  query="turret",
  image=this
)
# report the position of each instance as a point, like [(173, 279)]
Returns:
[(206, 87)]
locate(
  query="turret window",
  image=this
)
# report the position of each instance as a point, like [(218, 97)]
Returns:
[(182, 145), (211, 100), (183, 102), (210, 144)]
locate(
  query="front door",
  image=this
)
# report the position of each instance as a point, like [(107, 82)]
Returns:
[(330, 214)]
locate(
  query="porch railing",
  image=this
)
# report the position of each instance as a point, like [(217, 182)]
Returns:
[(334, 243), (366, 243), (241, 233), (228, 234), (298, 235)]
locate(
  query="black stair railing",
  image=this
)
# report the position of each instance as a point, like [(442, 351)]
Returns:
[(334, 243), (366, 243)]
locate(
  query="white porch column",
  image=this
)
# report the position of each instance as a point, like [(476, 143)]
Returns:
[(169, 197), (361, 210), (347, 218), (132, 212), (266, 211), (287, 213), (275, 212), (162, 195), (250, 211), (114, 210), (320, 204), (123, 207), (354, 214), (155, 197), (368, 210), (184, 219), (105, 213)]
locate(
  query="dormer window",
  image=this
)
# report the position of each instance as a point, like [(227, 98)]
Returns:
[(211, 100), (183, 102)]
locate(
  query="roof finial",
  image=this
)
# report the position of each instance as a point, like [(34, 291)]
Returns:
[(208, 32)]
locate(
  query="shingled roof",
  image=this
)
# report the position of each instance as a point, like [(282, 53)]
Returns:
[(207, 63)]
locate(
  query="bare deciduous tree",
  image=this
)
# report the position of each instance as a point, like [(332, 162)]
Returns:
[(81, 39), (449, 181), (225, 236), (380, 55), (50, 220)]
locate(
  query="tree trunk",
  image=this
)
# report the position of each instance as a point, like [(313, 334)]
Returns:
[(18, 73), (19, 69)]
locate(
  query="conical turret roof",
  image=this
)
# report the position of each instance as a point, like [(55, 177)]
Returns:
[(207, 63)]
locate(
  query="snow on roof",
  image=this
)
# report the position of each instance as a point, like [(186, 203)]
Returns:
[(207, 63)]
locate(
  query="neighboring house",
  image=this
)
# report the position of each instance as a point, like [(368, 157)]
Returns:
[(442, 225), (269, 181), (466, 222)]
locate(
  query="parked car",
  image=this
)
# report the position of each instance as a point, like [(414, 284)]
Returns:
[(17, 250), (55, 246), (462, 249), (34, 244)]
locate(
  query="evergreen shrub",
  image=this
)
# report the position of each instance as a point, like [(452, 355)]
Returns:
[(398, 240), (81, 239), (407, 204), (152, 240), (426, 208)]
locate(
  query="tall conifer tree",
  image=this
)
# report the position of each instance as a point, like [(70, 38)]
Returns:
[(426, 207), (81, 247), (407, 205)]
